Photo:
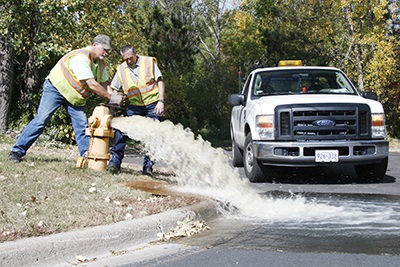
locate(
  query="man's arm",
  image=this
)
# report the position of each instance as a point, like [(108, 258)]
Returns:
[(159, 109), (109, 89), (99, 89), (161, 88)]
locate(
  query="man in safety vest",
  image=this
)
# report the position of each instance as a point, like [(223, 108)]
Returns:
[(75, 77), (142, 82)]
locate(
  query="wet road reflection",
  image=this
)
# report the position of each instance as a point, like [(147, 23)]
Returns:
[(365, 224)]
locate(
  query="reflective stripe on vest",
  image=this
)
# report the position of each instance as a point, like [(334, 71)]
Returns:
[(79, 86), (145, 91)]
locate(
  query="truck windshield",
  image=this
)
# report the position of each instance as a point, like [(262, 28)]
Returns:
[(301, 81)]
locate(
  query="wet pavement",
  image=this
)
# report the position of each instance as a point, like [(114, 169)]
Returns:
[(368, 221), (371, 226), (311, 217)]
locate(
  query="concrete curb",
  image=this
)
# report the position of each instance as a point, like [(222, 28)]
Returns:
[(63, 247)]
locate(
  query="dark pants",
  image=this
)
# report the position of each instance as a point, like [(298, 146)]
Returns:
[(118, 150)]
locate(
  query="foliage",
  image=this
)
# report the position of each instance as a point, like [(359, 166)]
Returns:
[(201, 45), (170, 24), (349, 34)]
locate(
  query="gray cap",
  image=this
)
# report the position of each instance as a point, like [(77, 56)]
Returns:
[(104, 40)]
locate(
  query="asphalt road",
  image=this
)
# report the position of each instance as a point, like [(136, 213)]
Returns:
[(173, 255), (337, 180), (216, 249)]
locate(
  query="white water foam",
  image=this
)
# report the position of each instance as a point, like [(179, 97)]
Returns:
[(204, 170)]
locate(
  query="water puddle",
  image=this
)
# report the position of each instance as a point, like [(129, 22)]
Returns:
[(203, 170), (153, 187)]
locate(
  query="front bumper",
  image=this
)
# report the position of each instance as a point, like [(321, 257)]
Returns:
[(303, 153)]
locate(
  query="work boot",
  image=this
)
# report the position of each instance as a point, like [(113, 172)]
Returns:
[(14, 156), (113, 169), (148, 171)]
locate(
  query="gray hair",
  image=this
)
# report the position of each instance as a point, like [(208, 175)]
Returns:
[(127, 48)]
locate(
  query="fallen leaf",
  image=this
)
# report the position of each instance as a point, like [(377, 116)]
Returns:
[(184, 228), (118, 252), (81, 258)]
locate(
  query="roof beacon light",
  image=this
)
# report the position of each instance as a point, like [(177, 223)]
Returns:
[(287, 63)]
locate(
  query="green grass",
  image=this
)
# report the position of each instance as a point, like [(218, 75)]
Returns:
[(45, 193)]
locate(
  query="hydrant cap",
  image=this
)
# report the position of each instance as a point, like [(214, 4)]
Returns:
[(93, 122)]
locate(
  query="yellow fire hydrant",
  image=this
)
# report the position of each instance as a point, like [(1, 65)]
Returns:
[(100, 131)]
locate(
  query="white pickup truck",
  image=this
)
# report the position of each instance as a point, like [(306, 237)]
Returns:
[(304, 116)]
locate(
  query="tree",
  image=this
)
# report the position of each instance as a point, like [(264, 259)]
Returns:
[(42, 31), (214, 74), (200, 46), (357, 36), (6, 64)]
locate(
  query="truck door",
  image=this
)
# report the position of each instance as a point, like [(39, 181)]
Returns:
[(240, 114)]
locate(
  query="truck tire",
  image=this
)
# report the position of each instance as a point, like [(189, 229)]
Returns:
[(237, 155), (372, 172), (253, 168)]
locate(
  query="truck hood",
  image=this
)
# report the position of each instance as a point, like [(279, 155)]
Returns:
[(268, 103)]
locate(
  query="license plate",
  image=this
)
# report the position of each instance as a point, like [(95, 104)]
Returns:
[(326, 155)]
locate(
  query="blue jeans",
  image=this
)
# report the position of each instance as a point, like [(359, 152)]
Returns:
[(51, 100), (117, 151)]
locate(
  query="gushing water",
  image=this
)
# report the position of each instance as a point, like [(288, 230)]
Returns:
[(204, 170)]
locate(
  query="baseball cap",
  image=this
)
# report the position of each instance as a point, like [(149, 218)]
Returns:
[(104, 40)]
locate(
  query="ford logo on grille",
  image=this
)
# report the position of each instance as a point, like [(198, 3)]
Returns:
[(324, 123)]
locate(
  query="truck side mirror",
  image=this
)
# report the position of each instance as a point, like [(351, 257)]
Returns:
[(236, 99), (370, 95)]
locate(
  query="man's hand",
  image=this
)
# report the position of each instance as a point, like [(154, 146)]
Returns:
[(159, 109), (119, 99)]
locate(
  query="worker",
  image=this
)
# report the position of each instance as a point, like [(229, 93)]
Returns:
[(75, 77), (141, 80)]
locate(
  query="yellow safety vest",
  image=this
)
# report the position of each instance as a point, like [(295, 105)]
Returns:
[(145, 91), (74, 90)]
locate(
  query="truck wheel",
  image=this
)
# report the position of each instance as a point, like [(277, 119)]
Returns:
[(237, 155), (253, 168), (372, 172)]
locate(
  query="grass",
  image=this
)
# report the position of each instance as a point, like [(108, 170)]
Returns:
[(45, 193)]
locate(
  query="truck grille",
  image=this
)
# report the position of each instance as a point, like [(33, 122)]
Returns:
[(323, 122)]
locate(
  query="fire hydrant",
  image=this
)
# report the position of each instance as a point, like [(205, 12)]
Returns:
[(100, 131)]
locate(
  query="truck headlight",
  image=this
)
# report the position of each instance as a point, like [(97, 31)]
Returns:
[(378, 128), (265, 126)]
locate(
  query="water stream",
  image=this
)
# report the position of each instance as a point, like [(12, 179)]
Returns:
[(204, 170)]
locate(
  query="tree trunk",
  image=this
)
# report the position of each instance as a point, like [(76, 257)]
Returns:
[(31, 79), (360, 73), (31, 72), (6, 81)]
